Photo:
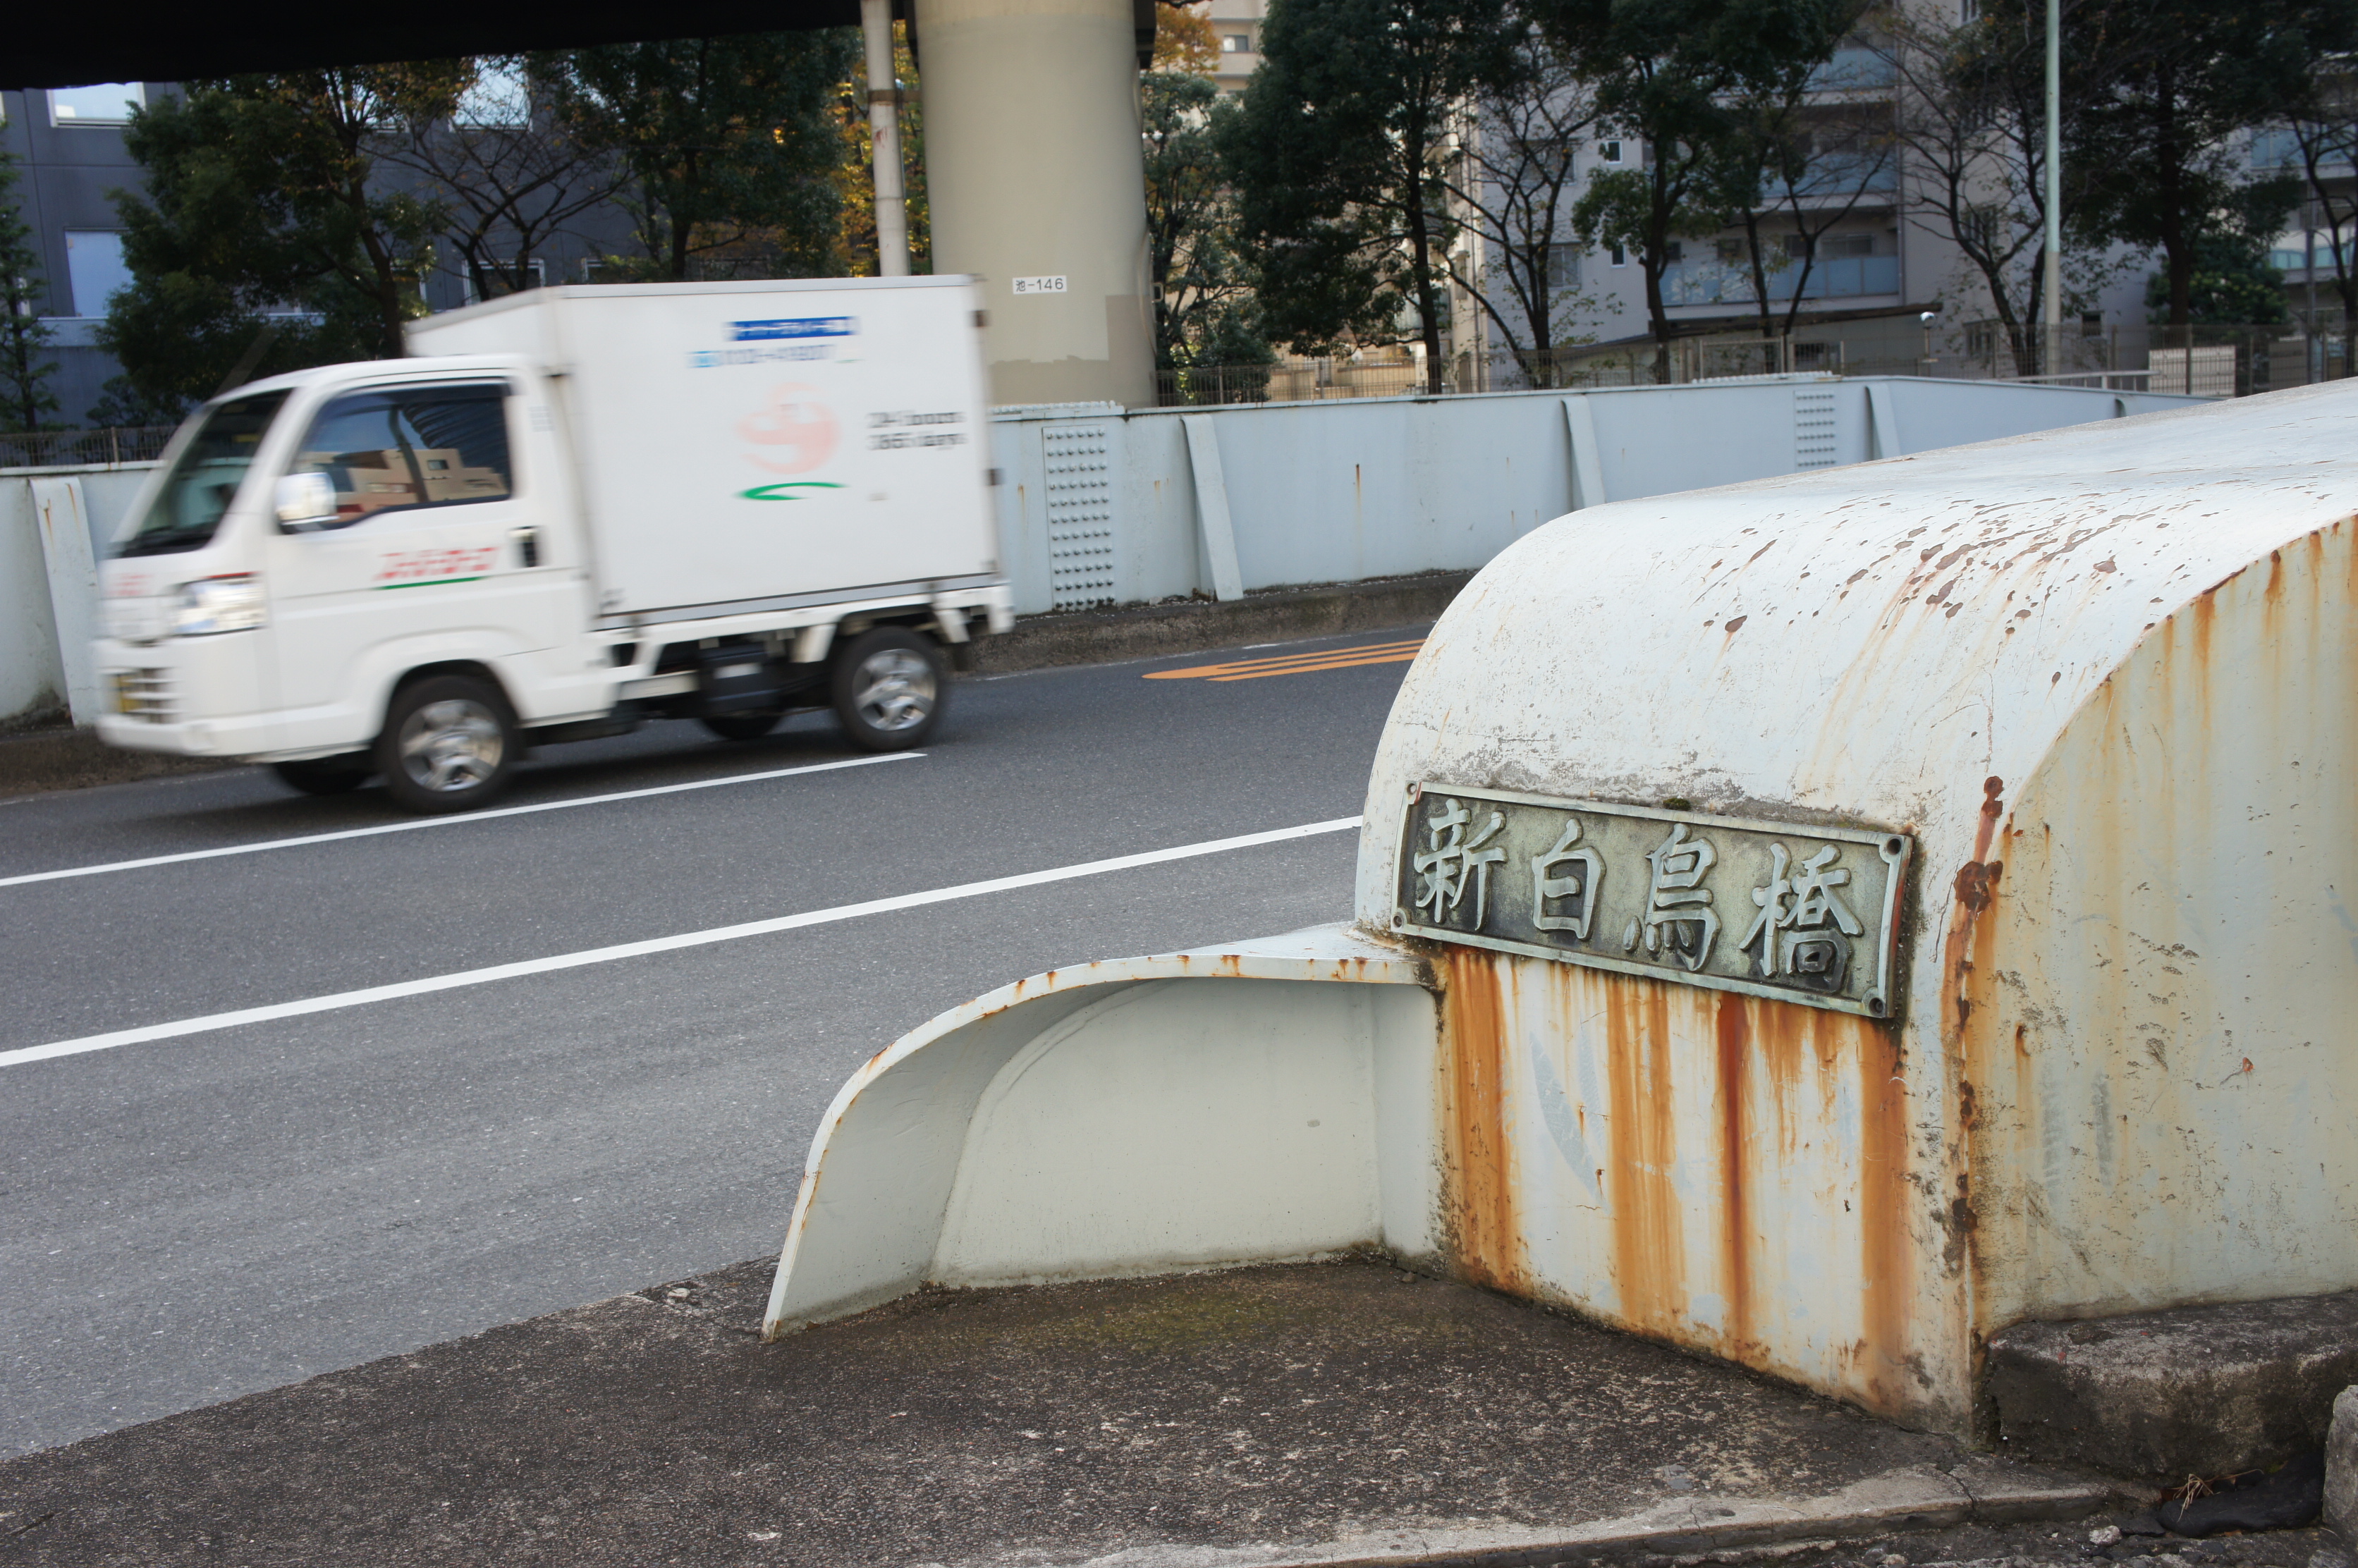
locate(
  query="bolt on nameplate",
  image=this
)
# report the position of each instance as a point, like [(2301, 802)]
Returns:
[(1770, 909)]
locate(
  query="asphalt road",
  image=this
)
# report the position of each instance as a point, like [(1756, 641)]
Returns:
[(190, 1219)]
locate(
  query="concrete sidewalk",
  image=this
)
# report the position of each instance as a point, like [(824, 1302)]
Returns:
[(1330, 1413)]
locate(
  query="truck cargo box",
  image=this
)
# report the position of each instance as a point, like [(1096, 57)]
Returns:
[(740, 444)]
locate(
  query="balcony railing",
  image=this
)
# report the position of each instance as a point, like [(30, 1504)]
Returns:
[(1730, 282)]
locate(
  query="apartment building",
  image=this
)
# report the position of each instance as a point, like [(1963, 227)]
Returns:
[(68, 144)]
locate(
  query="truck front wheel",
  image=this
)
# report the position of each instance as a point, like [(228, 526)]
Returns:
[(450, 744), (888, 689)]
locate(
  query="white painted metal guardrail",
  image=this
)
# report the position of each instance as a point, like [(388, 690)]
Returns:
[(1103, 506), (1819, 922)]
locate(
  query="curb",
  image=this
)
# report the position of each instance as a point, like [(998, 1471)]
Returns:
[(37, 762), (1983, 1492), (1151, 631)]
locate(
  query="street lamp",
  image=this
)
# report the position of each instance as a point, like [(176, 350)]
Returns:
[(1927, 319)]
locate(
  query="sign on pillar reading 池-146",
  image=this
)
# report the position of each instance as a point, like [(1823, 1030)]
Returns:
[(1773, 909)]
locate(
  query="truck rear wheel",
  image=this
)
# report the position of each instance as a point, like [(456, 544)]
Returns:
[(325, 775), (888, 689), (450, 744)]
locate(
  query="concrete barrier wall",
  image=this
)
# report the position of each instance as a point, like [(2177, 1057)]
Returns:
[(48, 589), (1106, 506), (1102, 506)]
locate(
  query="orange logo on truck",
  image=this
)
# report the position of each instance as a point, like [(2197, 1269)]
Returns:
[(799, 430)]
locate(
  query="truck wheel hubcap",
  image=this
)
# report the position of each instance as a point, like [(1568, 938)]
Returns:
[(451, 745), (893, 690)]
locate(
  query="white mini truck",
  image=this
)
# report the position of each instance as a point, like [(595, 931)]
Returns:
[(571, 510)]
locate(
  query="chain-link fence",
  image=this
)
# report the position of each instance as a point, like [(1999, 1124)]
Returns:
[(1293, 381), (84, 449)]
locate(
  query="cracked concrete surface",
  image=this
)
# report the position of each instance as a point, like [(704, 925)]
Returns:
[(1328, 1413)]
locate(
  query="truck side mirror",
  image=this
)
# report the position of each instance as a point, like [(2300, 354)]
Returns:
[(305, 500)]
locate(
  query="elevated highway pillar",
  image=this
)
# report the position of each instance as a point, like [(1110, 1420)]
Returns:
[(1037, 184)]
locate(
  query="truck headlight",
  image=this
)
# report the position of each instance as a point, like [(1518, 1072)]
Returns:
[(232, 603)]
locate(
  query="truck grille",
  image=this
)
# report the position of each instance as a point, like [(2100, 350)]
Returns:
[(143, 694)]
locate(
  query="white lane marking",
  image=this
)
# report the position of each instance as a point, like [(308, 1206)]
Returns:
[(658, 944), (460, 820)]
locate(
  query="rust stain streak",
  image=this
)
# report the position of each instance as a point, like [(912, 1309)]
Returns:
[(1486, 1235), (1648, 1254), (1883, 1202), (1735, 1032)]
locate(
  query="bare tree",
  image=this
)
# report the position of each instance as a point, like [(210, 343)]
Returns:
[(2325, 129), (1819, 143), (510, 173), (1971, 118), (1509, 180)]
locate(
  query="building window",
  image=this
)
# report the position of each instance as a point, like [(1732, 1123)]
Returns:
[(1731, 253), (1608, 152), (1236, 43), (1618, 253), (1969, 10), (1848, 245), (493, 285), (1562, 268), (1981, 340), (95, 268), (101, 103)]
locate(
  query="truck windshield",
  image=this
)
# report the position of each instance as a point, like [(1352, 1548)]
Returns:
[(204, 477)]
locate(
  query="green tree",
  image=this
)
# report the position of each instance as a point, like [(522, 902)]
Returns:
[(2232, 282), (734, 152), (2175, 80), (1204, 309), (25, 367), (261, 215), (1337, 155)]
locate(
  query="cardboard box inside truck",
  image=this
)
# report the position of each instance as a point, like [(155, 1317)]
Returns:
[(572, 510)]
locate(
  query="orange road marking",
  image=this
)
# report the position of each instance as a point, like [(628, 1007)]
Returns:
[(1297, 664)]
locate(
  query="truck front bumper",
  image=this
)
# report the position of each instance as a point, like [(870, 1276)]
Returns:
[(189, 698)]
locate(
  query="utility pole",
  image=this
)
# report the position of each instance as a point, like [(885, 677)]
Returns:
[(884, 139), (2054, 186)]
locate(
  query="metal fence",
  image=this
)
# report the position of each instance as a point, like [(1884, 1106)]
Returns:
[(1294, 380), (2200, 361), (81, 448)]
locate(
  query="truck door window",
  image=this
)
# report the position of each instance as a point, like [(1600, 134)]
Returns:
[(396, 447)]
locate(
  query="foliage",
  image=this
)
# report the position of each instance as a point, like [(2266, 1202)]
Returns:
[(859, 242), (2232, 282), (1335, 153), (25, 397), (261, 215), (1204, 307), (1184, 40), (733, 153), (2173, 81), (508, 174)]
